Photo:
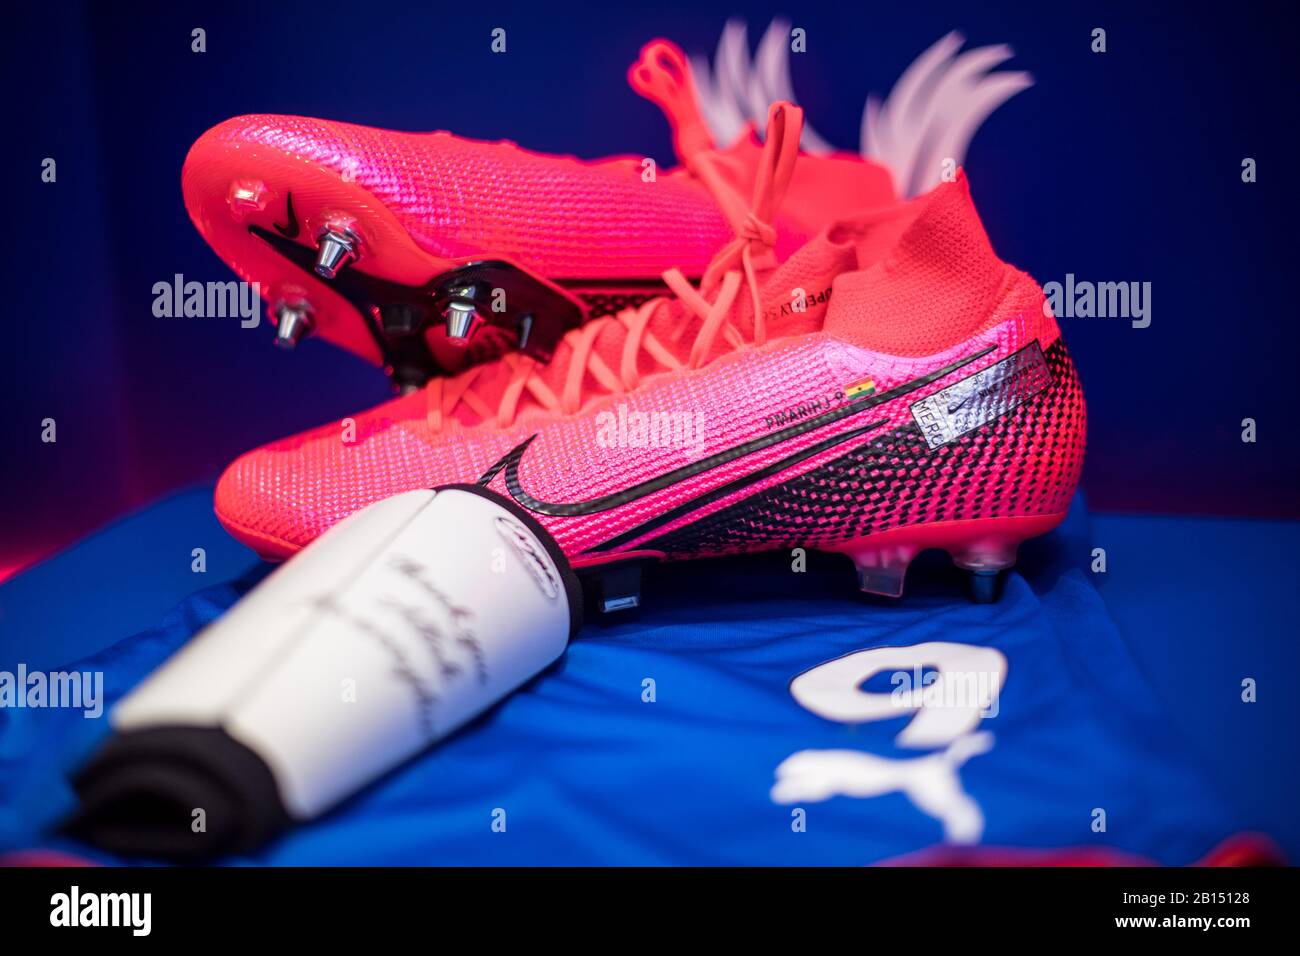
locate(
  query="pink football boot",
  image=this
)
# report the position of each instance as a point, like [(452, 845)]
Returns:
[(891, 386), (427, 253)]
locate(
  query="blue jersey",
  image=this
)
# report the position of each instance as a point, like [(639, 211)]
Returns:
[(756, 712)]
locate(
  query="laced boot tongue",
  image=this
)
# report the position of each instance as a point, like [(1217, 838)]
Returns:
[(794, 295), (728, 310)]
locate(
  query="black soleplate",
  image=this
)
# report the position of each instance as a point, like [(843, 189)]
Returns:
[(397, 315)]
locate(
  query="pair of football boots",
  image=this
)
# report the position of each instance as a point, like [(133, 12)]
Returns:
[(762, 349)]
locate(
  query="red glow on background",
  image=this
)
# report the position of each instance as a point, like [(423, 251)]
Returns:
[(10, 566)]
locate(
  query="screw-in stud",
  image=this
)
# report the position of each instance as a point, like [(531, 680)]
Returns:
[(292, 322), (334, 249)]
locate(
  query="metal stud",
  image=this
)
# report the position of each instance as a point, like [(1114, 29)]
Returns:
[(460, 315), (525, 329), (335, 248), (292, 322)]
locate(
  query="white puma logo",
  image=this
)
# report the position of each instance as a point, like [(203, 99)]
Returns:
[(930, 782)]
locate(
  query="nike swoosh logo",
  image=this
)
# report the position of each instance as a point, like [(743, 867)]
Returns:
[(953, 406), (977, 388), (290, 229), (509, 463)]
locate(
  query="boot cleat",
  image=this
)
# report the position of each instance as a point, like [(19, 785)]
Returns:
[(984, 586), (247, 196), (882, 569), (986, 560), (292, 323), (461, 316), (335, 248), (615, 585)]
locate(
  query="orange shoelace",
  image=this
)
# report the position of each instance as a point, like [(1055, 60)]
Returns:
[(736, 263)]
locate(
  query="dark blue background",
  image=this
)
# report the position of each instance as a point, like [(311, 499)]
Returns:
[(1122, 166)]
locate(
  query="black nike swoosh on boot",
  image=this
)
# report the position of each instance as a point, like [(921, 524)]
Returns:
[(290, 229), (510, 461)]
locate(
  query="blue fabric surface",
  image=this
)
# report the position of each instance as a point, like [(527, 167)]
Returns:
[(589, 772), (1206, 603)]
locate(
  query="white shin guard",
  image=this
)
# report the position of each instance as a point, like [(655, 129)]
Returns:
[(393, 629)]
